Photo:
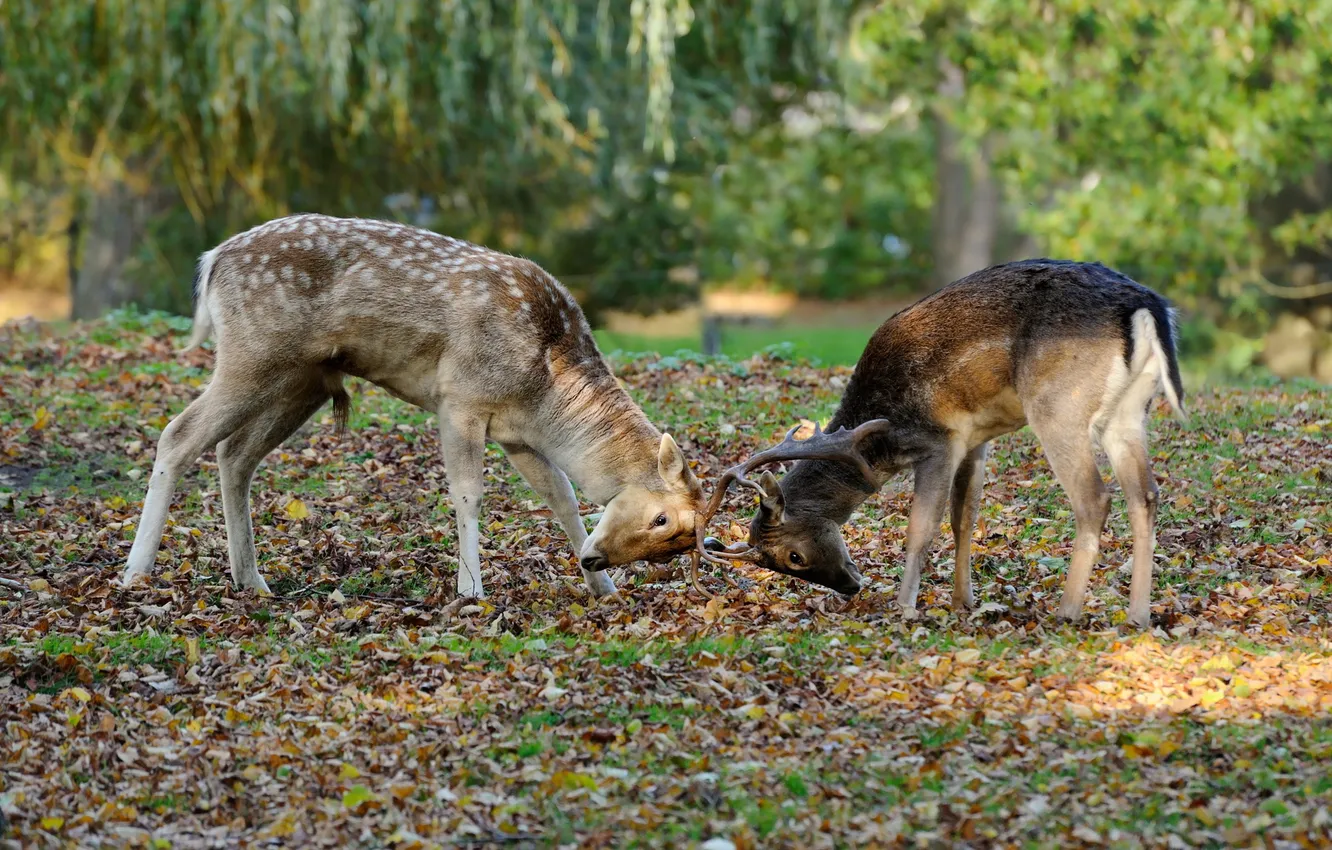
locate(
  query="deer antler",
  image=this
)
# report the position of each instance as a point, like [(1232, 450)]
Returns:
[(840, 445)]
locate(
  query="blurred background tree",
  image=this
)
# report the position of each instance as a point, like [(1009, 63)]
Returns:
[(647, 151)]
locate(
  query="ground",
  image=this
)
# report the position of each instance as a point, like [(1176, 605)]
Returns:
[(359, 707)]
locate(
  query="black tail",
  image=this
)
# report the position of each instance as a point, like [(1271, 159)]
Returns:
[(341, 400)]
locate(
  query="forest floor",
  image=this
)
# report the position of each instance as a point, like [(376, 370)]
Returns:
[(358, 707)]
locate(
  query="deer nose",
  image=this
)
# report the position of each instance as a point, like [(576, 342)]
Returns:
[(849, 588), (595, 562), (712, 544), (852, 582)]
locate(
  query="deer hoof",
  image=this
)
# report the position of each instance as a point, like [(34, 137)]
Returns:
[(1139, 619)]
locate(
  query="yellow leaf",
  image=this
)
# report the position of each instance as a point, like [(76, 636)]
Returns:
[(1080, 711), (967, 656), (569, 780), (281, 828), (52, 824), (356, 612), (296, 509), (80, 694), (40, 419), (115, 503), (714, 610), (348, 771), (39, 585), (1211, 698), (1166, 748), (356, 795), (192, 650)]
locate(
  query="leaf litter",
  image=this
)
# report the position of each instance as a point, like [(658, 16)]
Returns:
[(362, 704)]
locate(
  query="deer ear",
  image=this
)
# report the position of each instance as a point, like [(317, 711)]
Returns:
[(771, 503), (671, 462)]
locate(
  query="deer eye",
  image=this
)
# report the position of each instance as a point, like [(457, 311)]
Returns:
[(659, 521), (796, 559)]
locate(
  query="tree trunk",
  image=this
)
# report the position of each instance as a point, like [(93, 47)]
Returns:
[(113, 222), (966, 205)]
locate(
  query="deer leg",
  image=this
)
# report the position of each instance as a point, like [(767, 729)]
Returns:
[(463, 440), (1074, 462), (967, 486), (552, 485), (1126, 444), (934, 480), (209, 418), (237, 458)]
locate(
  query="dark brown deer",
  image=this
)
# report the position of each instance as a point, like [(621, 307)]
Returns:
[(1076, 350), (489, 342)]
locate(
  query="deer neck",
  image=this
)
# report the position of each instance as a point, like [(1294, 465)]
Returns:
[(596, 433), (831, 490), (824, 489)]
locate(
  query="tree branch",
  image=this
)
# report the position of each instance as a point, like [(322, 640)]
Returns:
[(1253, 277)]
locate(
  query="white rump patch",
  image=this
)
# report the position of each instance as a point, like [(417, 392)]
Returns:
[(1129, 389)]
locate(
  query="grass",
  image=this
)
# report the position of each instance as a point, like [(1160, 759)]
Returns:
[(830, 346)]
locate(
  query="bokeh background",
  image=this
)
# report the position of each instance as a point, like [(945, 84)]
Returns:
[(705, 174)]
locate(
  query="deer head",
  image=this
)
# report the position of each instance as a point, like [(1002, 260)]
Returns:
[(651, 520), (804, 547)]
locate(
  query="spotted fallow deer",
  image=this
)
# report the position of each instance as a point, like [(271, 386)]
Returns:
[(492, 344), (1076, 350)]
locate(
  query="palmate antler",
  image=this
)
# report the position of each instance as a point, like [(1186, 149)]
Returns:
[(840, 445)]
